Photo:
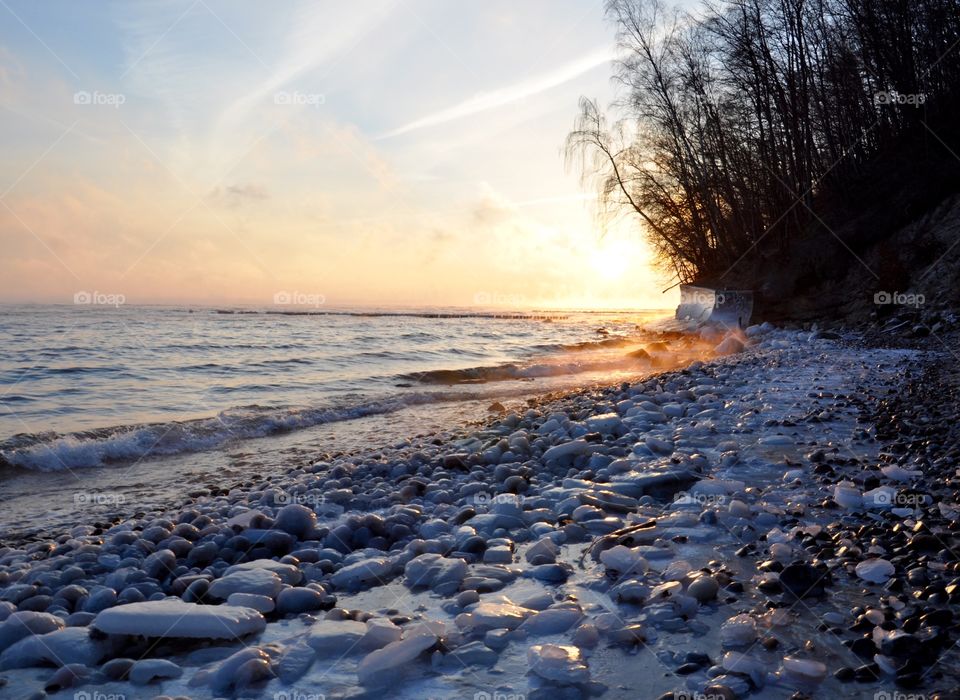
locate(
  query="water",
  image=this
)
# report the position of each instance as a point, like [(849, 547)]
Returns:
[(145, 401)]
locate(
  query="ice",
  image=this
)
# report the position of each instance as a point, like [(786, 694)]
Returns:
[(383, 664), (335, 636), (20, 624), (173, 618), (488, 616), (568, 449), (875, 570), (254, 581), (288, 573), (148, 670), (739, 630), (67, 646), (558, 662), (436, 572), (552, 621), (367, 572)]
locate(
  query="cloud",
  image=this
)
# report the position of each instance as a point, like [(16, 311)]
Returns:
[(507, 95)]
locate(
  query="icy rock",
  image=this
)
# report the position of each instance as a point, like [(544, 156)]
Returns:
[(72, 645), (288, 573), (551, 621), (736, 662), (572, 448), (299, 600), (895, 472), (173, 618), (238, 670), (543, 551), (623, 560), (703, 588), (559, 663), (607, 423), (295, 661), (881, 497), (729, 345), (804, 670), (255, 581), (436, 572), (382, 665), (380, 632), (367, 572), (470, 654), (847, 495), (20, 624), (488, 616), (260, 603), (148, 670), (875, 570), (335, 636), (739, 630), (296, 520)]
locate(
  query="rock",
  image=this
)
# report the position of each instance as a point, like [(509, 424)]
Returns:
[(739, 630), (572, 448), (260, 603), (335, 636), (804, 670), (288, 573), (488, 616), (730, 345), (802, 581), (703, 588), (558, 663), (436, 572), (299, 600), (381, 666), (875, 570), (72, 645), (621, 560), (20, 624), (149, 670), (173, 618), (296, 520), (254, 581)]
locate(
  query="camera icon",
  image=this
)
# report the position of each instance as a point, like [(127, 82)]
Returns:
[(883, 498), (83, 298), (282, 98), (883, 98), (82, 98), (281, 298), (882, 298), (482, 498)]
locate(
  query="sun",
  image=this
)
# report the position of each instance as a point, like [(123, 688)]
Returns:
[(612, 258)]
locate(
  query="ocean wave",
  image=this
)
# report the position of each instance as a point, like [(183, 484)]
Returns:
[(124, 444), (510, 371)]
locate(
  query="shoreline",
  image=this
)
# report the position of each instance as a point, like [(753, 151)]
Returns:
[(516, 537)]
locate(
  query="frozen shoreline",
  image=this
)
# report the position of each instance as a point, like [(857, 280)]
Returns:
[(494, 561)]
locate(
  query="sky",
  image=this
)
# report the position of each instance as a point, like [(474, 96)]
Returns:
[(386, 152)]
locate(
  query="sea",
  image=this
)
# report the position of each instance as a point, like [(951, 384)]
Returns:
[(108, 410)]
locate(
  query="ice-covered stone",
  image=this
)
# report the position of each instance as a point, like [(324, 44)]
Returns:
[(148, 670), (623, 560), (381, 666), (804, 670), (72, 645), (739, 630), (367, 572), (255, 581), (173, 618), (335, 636), (488, 616), (875, 570), (436, 572), (288, 573), (22, 623), (559, 663)]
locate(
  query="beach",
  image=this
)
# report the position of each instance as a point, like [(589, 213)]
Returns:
[(744, 526)]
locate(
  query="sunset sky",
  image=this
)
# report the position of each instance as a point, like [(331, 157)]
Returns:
[(402, 152)]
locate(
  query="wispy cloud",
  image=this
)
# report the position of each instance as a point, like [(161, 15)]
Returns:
[(507, 95)]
